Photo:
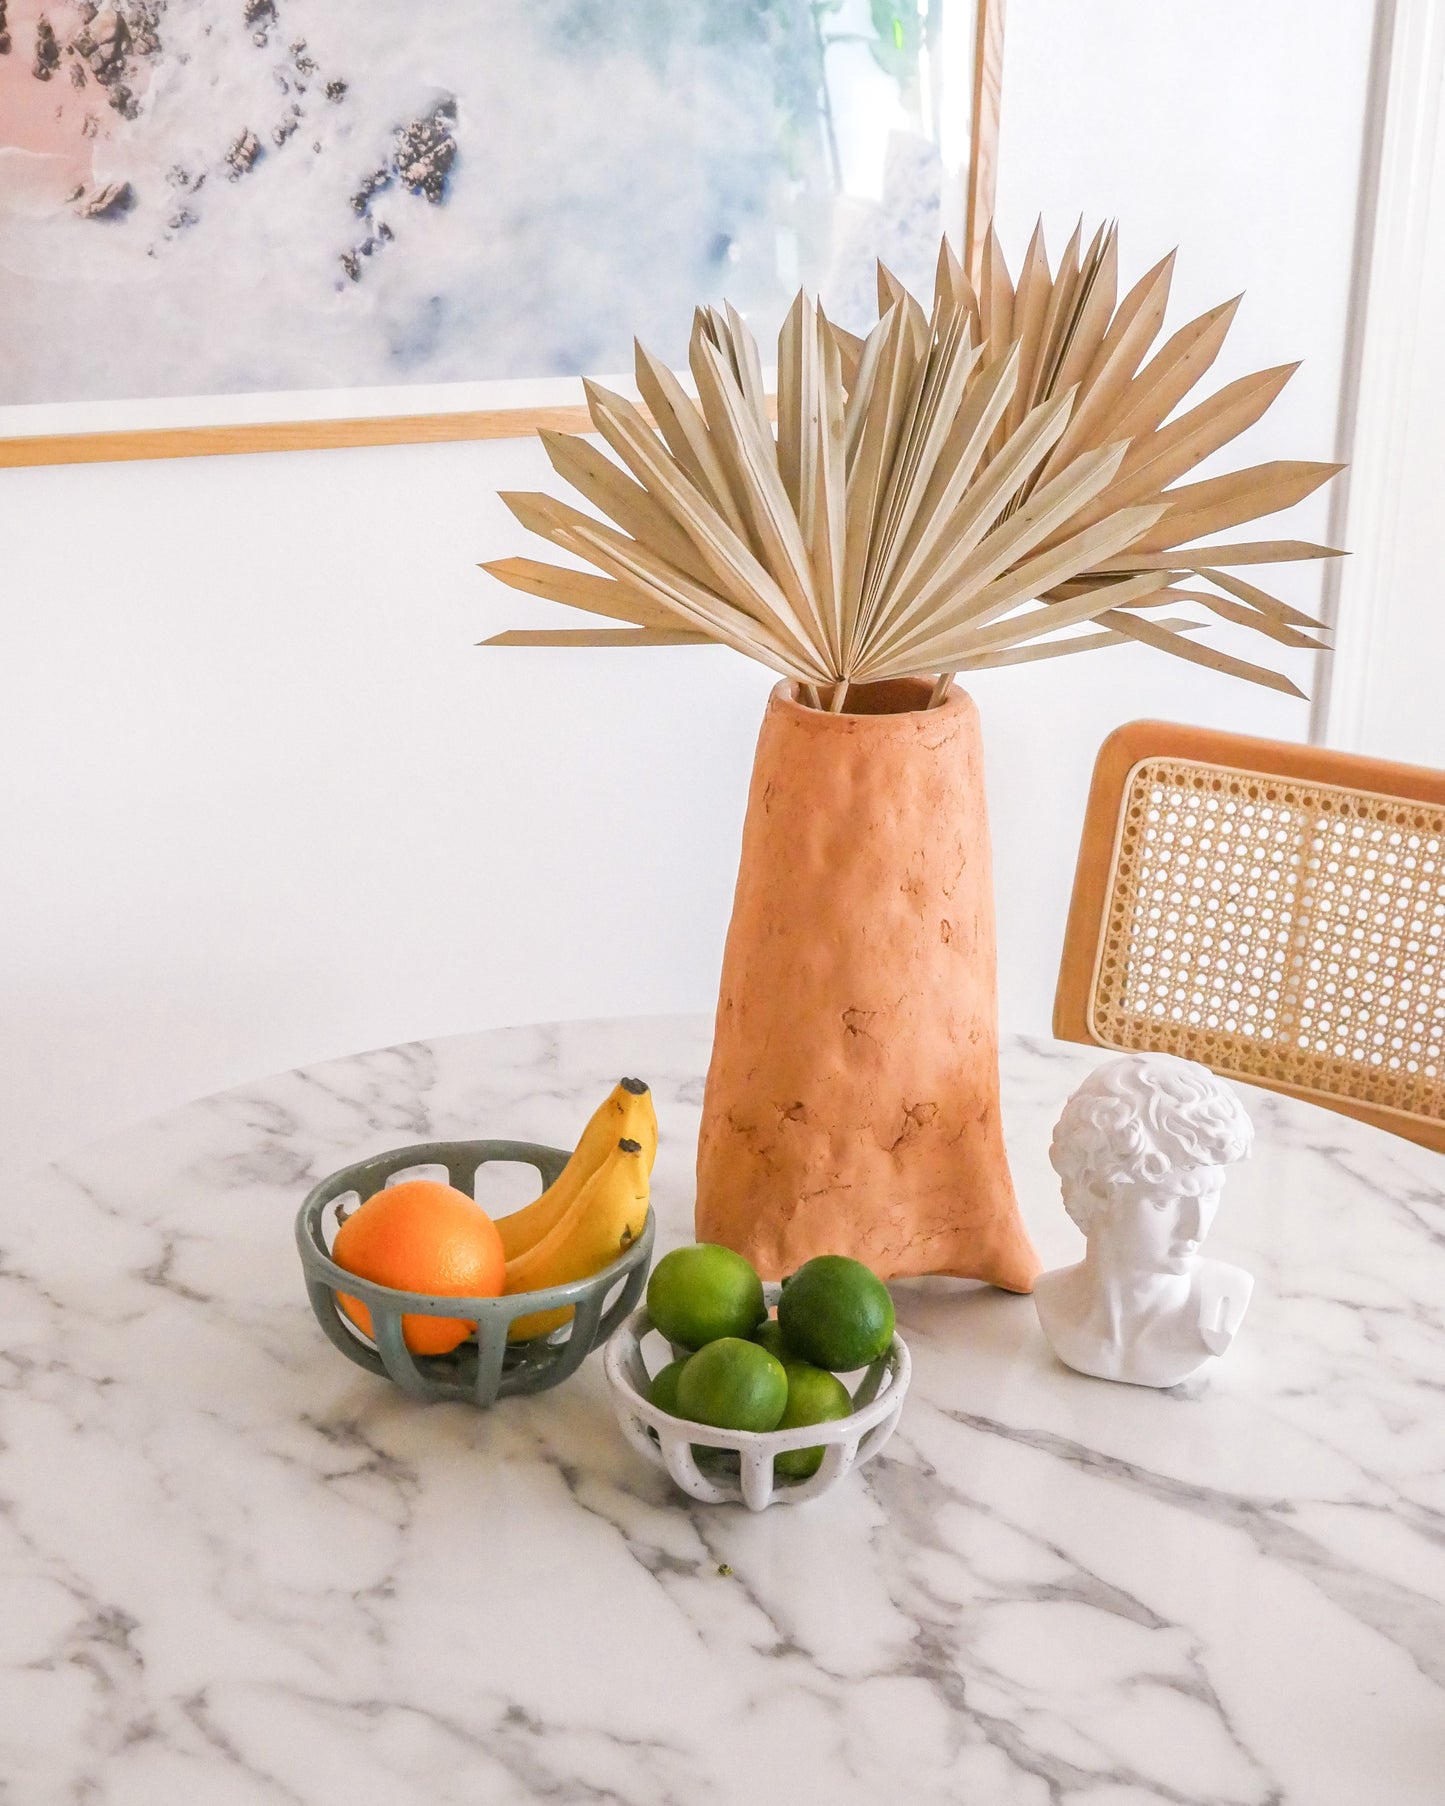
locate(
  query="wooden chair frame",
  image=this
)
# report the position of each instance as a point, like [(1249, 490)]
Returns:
[(1119, 759)]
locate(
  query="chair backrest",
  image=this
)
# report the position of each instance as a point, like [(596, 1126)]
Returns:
[(1276, 912)]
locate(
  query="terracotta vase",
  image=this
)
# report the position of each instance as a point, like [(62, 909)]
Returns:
[(852, 1102)]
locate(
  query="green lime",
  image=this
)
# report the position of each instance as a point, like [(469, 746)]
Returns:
[(836, 1313), (769, 1335), (716, 1461), (663, 1393), (663, 1390), (700, 1293), (733, 1385), (813, 1397)]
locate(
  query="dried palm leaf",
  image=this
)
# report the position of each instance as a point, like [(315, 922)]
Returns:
[(599, 636), (966, 487)]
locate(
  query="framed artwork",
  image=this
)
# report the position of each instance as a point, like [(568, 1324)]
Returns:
[(219, 216)]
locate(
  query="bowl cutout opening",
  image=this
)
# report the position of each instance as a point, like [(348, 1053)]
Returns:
[(353, 1328), (503, 1187), (615, 1291), (443, 1365), (431, 1169), (656, 1352), (334, 1214), (717, 1463), (427, 1362)]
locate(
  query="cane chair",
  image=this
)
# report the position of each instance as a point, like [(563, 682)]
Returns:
[(1276, 912)]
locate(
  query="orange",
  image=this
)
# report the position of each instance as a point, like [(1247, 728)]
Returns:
[(421, 1236)]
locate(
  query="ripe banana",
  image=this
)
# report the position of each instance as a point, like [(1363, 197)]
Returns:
[(626, 1112), (605, 1217)]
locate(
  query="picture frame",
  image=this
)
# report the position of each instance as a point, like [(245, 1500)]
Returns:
[(188, 427)]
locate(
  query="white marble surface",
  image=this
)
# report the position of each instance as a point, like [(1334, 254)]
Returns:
[(240, 1572)]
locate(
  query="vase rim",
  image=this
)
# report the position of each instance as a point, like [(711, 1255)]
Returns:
[(784, 698)]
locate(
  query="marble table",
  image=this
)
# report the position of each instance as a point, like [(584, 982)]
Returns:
[(240, 1572)]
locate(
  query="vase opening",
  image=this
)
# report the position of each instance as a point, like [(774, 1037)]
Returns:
[(891, 696)]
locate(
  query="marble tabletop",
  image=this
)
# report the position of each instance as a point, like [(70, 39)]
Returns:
[(238, 1571)]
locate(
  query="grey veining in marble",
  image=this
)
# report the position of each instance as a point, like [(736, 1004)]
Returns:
[(240, 1572)]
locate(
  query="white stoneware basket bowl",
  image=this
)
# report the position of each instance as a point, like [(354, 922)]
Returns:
[(667, 1441)]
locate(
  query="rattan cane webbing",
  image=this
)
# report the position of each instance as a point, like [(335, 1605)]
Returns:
[(1278, 930)]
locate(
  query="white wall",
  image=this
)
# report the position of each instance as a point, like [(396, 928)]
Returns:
[(1384, 694), (263, 803)]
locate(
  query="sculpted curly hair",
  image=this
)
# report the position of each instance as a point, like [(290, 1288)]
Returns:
[(1138, 1118)]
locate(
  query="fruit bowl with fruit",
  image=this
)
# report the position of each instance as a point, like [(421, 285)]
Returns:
[(756, 1407), (412, 1280)]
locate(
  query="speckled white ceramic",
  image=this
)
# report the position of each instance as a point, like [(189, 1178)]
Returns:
[(670, 1442)]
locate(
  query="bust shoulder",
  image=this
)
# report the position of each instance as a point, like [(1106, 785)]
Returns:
[(1065, 1302), (1152, 1342)]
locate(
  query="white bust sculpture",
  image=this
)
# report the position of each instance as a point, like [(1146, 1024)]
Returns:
[(1141, 1150)]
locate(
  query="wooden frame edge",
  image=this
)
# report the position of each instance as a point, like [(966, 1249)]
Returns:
[(1299, 759), (287, 435), (1115, 759)]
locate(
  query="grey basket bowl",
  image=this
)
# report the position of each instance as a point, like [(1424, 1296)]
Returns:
[(486, 1367)]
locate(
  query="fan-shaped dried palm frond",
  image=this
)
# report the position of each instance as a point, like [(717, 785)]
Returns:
[(956, 491)]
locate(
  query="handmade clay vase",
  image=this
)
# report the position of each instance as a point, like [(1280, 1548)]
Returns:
[(852, 1102)]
